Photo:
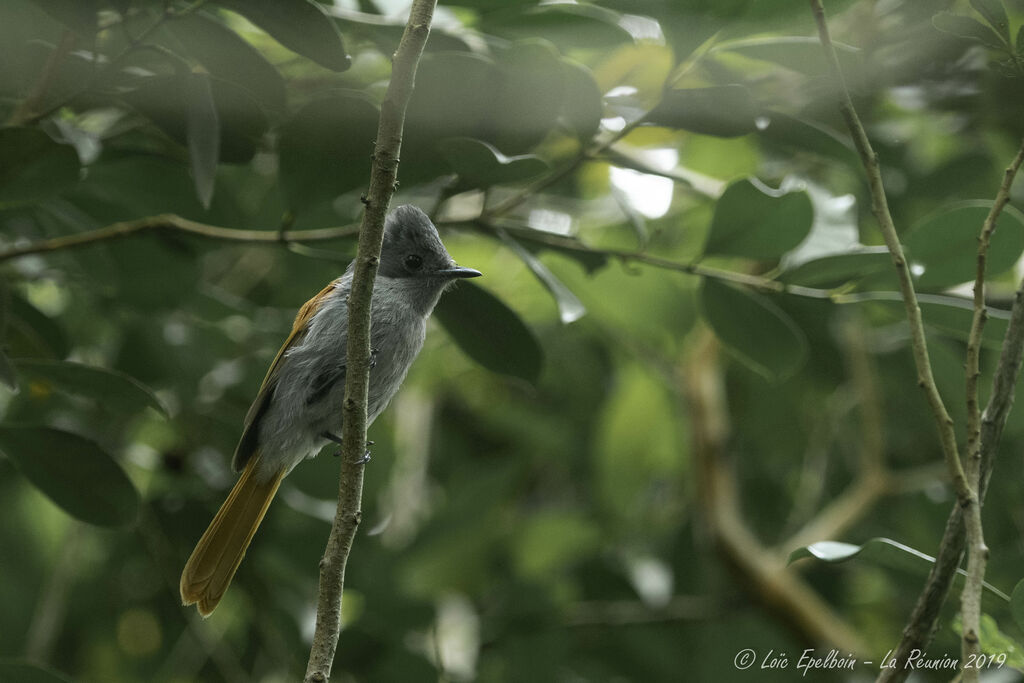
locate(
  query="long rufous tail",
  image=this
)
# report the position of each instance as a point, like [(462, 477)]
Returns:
[(213, 563)]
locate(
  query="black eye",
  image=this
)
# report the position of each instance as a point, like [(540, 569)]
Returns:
[(413, 261)]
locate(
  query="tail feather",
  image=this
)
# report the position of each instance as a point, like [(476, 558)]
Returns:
[(213, 563)]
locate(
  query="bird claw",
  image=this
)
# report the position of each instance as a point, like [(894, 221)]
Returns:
[(337, 439)]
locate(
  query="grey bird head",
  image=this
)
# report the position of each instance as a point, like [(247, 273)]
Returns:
[(413, 249)]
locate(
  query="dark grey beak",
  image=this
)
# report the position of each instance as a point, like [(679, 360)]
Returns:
[(458, 272)]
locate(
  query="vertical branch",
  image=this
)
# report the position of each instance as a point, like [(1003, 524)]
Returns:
[(921, 626), (977, 550), (880, 207), (383, 176), (965, 483)]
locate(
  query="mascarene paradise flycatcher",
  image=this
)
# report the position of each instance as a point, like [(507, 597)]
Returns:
[(298, 409)]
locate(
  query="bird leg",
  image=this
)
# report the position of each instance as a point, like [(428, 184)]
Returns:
[(334, 438)]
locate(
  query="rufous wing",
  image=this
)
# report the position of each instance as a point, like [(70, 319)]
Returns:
[(247, 444)]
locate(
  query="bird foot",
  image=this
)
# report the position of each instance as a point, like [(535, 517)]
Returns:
[(333, 438)]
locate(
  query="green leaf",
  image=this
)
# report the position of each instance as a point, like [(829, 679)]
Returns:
[(203, 136), (1017, 604), (77, 15), (837, 269), (112, 389), (884, 551), (480, 165), (570, 308), (300, 25), (1020, 40), (31, 332), (550, 541), (454, 97), (74, 473), (995, 15), (635, 450), (758, 223), (581, 105), (754, 329), (633, 217), (967, 28), (241, 120), (490, 332), (228, 56), (807, 136), (950, 315), (325, 148), (996, 644), (33, 166), (24, 672), (590, 261), (530, 96), (8, 377), (723, 111), (798, 53), (568, 25), (152, 288), (945, 244)]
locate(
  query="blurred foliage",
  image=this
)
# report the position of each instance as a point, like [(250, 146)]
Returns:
[(622, 173)]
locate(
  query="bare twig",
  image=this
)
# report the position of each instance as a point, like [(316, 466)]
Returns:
[(977, 550), (923, 620), (967, 483), (171, 223), (880, 207), (991, 422), (383, 174), (569, 244)]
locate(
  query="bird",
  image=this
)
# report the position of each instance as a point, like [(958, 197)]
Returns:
[(298, 409)]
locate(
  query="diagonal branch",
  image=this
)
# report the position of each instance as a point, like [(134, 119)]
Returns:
[(383, 176)]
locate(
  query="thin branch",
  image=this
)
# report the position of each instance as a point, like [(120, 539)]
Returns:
[(924, 619), (174, 223), (1001, 399), (571, 244), (383, 176), (293, 239), (966, 484), (880, 207), (977, 550)]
